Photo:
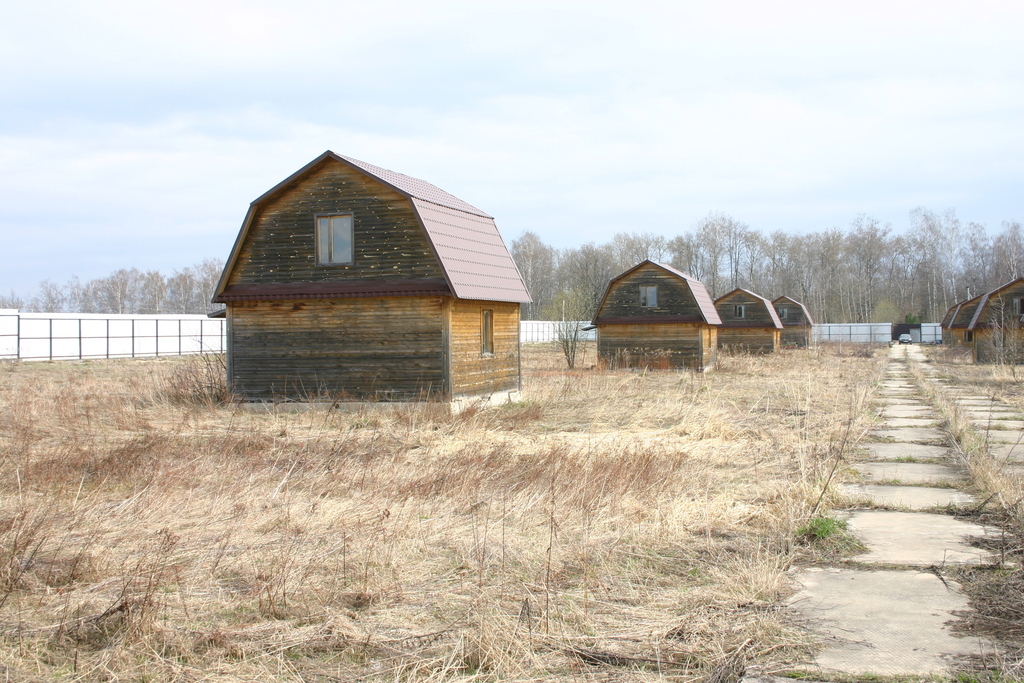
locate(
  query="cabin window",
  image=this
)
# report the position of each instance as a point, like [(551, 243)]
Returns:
[(740, 311), (968, 335), (1018, 306), (783, 313), (487, 332), (649, 296), (334, 239)]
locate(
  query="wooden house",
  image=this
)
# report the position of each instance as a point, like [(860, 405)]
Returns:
[(655, 316), (995, 330), (749, 322), (954, 323), (797, 324), (349, 281)]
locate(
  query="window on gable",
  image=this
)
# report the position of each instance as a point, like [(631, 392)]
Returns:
[(487, 332), (334, 239), (1018, 306), (740, 311), (783, 313), (649, 296)]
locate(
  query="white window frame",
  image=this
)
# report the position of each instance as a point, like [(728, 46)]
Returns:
[(328, 227), (783, 313), (486, 332), (740, 311), (648, 296)]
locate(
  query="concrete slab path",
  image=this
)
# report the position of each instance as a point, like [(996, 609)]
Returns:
[(909, 472), (907, 497), (886, 623)]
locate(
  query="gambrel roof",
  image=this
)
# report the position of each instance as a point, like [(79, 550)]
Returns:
[(700, 294), (767, 305), (793, 302), (473, 257), (984, 300)]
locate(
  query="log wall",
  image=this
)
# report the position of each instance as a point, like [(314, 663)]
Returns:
[(365, 349), (657, 345), (388, 241), (674, 297), (749, 339), (795, 335)]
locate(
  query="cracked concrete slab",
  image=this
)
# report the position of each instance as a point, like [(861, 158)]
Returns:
[(911, 434), (998, 424), (917, 539), (887, 623), (882, 450), (908, 472), (898, 401), (994, 413), (911, 411), (909, 497), (1011, 452), (1005, 436), (900, 422)]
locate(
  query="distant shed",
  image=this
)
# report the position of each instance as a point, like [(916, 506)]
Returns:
[(749, 322), (956, 323), (653, 315), (797, 324), (350, 281)]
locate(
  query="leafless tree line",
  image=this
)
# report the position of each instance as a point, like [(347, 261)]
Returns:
[(865, 273), (128, 290)]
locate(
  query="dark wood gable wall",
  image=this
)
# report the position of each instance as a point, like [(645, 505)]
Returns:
[(674, 297), (388, 240)]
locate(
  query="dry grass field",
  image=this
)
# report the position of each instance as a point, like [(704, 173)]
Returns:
[(614, 525)]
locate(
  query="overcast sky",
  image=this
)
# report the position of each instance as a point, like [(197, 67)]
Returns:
[(135, 133)]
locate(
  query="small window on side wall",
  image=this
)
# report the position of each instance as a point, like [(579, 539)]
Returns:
[(334, 239), (649, 296), (487, 332), (968, 335), (740, 311)]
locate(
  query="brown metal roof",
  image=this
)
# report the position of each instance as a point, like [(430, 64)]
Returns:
[(964, 313), (697, 289), (950, 315), (983, 303), (791, 300), (472, 255), (767, 304)]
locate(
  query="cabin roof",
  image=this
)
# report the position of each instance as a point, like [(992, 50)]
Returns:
[(767, 304), (472, 255), (794, 302), (984, 300), (697, 289)]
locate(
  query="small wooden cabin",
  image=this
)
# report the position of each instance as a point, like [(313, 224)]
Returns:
[(954, 323), (349, 281), (797, 324), (655, 316), (749, 322), (996, 326)]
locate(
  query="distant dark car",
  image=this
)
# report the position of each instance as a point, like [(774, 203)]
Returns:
[(906, 339)]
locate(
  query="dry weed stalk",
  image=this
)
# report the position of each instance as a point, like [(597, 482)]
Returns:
[(643, 519)]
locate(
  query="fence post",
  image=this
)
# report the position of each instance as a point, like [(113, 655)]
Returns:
[(50, 320), (79, 339), (156, 337), (133, 337), (179, 336), (17, 338), (108, 338)]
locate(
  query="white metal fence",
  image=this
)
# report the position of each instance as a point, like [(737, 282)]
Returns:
[(537, 331), (930, 333), (65, 336)]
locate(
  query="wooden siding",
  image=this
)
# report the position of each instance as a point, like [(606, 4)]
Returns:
[(794, 314), (674, 296), (749, 339), (756, 310), (365, 349), (388, 240), (795, 335), (657, 345), (472, 372)]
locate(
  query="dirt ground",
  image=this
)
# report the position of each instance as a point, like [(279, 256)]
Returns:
[(613, 525)]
